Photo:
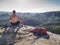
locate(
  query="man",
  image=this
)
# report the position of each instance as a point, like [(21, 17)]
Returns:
[(14, 19)]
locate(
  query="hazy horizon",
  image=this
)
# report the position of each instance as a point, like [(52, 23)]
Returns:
[(30, 5)]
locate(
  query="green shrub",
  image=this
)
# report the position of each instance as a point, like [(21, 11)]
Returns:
[(53, 29)]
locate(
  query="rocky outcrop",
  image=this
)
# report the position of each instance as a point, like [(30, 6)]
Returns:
[(29, 39), (25, 37)]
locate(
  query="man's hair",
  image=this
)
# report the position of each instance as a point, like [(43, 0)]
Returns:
[(14, 11)]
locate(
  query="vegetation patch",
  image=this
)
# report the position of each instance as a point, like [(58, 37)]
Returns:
[(53, 29)]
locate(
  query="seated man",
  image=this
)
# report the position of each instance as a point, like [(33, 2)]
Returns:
[(14, 19)]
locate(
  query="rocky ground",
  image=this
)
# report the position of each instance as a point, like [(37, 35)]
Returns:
[(25, 37)]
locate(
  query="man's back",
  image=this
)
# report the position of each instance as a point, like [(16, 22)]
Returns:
[(14, 19)]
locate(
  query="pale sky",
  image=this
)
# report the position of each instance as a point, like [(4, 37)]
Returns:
[(30, 5)]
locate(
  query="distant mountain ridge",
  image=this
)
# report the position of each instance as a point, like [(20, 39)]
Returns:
[(35, 18)]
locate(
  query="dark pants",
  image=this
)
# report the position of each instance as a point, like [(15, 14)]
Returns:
[(17, 23)]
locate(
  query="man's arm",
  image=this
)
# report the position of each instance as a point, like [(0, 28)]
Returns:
[(21, 19), (9, 19)]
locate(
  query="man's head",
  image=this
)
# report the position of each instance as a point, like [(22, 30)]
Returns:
[(14, 12)]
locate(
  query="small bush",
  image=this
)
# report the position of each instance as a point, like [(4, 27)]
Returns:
[(53, 29)]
